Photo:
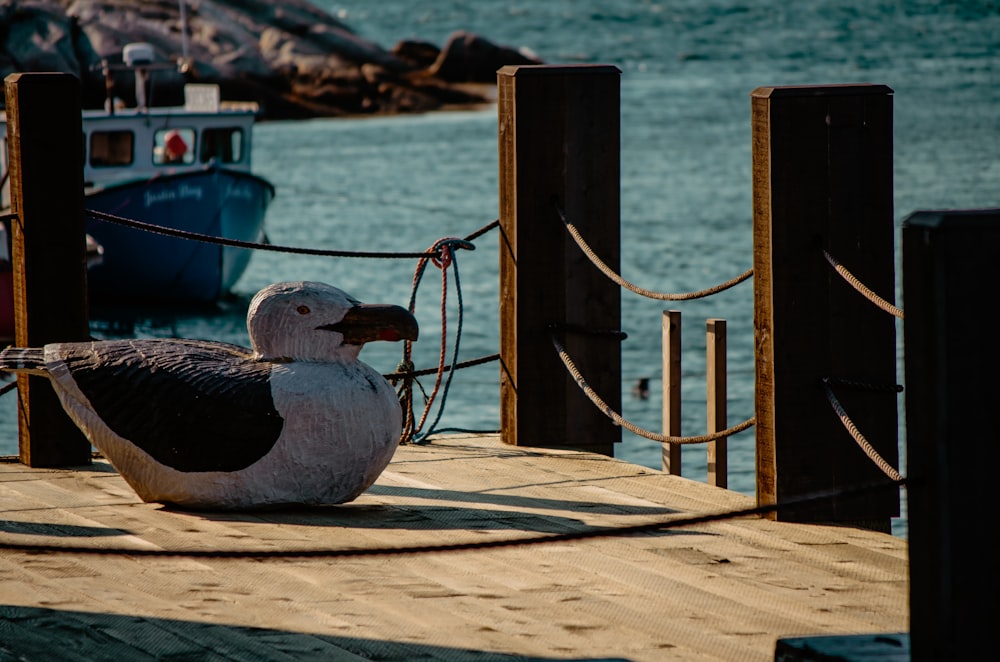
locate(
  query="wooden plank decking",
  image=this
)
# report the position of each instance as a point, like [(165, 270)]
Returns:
[(724, 590)]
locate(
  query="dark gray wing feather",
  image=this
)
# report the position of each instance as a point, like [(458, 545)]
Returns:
[(192, 405)]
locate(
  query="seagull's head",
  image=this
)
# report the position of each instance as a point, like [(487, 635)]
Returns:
[(310, 321)]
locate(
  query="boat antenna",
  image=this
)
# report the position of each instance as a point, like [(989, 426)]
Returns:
[(184, 65), (109, 87)]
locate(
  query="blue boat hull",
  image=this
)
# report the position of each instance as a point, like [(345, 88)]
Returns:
[(140, 265)]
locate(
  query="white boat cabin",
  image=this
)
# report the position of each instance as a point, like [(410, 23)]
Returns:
[(129, 144), (139, 143)]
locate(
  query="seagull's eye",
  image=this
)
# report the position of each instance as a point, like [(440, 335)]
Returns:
[(302, 310)]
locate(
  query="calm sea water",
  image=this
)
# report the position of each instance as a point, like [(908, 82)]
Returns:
[(401, 183)]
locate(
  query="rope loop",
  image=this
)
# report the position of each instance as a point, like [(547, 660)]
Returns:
[(442, 255), (443, 250)]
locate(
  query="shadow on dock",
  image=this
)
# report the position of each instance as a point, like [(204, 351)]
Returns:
[(77, 635)]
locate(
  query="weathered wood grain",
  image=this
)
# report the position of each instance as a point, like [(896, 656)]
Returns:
[(727, 590), (559, 147), (822, 171), (48, 252)]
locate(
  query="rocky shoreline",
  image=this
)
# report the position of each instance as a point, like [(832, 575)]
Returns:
[(291, 57)]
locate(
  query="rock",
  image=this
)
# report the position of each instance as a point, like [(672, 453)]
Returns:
[(294, 59), (470, 58), (418, 54)]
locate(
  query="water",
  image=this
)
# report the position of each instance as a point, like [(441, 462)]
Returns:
[(399, 184)]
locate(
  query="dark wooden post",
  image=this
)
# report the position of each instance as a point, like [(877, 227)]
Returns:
[(559, 144), (822, 176), (952, 401), (44, 137)]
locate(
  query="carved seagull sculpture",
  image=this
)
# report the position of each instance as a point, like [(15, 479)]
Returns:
[(208, 425)]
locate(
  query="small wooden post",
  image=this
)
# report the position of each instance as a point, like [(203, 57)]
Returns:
[(559, 144), (952, 400), (822, 174), (672, 389), (715, 387), (44, 137)]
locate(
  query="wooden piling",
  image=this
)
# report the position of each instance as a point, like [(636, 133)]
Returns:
[(822, 177), (559, 146), (671, 380), (44, 138), (952, 397), (715, 392)]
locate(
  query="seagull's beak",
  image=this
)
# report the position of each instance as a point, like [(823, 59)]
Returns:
[(367, 322)]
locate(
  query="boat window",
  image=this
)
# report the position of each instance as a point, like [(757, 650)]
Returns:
[(224, 144), (173, 146), (111, 148)]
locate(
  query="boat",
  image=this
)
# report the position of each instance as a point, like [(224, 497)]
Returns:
[(94, 255), (180, 167)]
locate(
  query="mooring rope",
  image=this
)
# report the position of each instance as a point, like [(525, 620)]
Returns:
[(400, 374), (572, 536), (853, 281), (618, 420), (453, 259), (650, 294), (443, 257), (859, 438), (237, 243), (483, 230)]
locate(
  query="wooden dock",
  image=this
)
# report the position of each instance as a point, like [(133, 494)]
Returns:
[(726, 590)]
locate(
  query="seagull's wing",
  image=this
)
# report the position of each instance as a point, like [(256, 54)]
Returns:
[(192, 405)]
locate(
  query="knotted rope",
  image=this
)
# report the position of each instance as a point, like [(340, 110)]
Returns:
[(442, 256)]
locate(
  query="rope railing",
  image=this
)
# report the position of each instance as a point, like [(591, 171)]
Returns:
[(632, 287), (859, 438), (866, 292), (237, 243), (441, 254), (593, 533), (621, 422), (401, 374)]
